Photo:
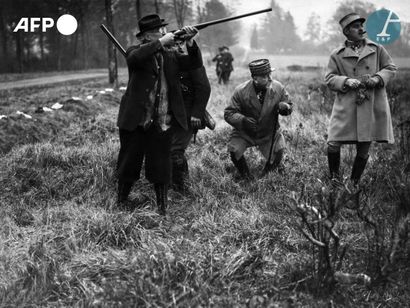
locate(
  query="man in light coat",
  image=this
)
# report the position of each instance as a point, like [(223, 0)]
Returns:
[(359, 72), (253, 112)]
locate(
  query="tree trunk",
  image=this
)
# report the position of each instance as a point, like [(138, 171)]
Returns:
[(19, 52), (3, 32), (112, 55), (138, 8), (180, 9), (41, 38), (156, 3)]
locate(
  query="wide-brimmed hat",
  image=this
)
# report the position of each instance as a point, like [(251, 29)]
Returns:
[(150, 22), (349, 18), (260, 67)]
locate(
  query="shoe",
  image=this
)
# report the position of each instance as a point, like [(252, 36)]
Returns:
[(241, 165), (161, 191)]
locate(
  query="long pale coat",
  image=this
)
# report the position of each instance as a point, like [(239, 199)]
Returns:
[(370, 121)]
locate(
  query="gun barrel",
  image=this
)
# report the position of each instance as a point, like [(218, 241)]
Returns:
[(222, 20), (113, 39)]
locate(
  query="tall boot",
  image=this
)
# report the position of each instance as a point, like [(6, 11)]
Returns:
[(161, 191), (358, 168), (334, 164), (180, 174), (124, 189), (241, 165), (275, 164)]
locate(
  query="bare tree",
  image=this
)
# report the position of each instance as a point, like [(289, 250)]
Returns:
[(138, 8), (181, 7), (112, 53), (156, 4)]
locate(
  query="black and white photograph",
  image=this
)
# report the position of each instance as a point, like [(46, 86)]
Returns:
[(205, 153)]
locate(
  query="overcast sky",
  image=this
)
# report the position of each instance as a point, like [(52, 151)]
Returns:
[(302, 9)]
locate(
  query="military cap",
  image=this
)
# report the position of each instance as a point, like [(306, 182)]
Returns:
[(260, 67), (349, 18)]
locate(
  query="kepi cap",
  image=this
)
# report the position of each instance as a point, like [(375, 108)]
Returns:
[(260, 67), (349, 18)]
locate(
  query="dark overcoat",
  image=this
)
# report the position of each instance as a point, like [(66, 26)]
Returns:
[(245, 103), (143, 72)]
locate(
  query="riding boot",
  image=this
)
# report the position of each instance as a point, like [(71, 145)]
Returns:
[(180, 175), (241, 165), (358, 168), (124, 189), (161, 191), (275, 164), (334, 164)]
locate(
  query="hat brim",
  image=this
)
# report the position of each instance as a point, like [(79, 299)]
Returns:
[(263, 72), (362, 19), (154, 27)]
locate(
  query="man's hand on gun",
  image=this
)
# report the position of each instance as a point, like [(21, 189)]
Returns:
[(195, 123), (187, 34)]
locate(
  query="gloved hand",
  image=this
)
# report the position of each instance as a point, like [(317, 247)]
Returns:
[(195, 122), (167, 39), (284, 109), (250, 126), (372, 82), (189, 34), (352, 83)]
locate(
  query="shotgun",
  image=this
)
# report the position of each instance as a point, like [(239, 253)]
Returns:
[(208, 120)]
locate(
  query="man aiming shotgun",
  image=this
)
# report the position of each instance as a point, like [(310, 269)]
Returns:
[(152, 106)]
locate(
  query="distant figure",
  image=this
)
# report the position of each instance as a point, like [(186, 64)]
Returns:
[(359, 72), (224, 66), (253, 112), (195, 90)]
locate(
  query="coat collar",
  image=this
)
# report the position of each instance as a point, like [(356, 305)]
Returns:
[(368, 49)]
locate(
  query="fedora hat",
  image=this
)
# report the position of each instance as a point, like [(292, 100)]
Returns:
[(150, 22), (349, 18)]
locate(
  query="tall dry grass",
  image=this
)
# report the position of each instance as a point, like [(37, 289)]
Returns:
[(227, 242)]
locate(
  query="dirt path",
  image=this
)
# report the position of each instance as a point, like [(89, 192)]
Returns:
[(51, 79)]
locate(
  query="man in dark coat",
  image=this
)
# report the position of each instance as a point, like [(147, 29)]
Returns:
[(195, 92), (253, 112), (152, 107), (224, 65)]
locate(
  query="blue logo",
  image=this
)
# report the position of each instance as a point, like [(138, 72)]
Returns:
[(383, 27)]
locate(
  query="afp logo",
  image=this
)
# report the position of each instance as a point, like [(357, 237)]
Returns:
[(383, 27), (66, 24)]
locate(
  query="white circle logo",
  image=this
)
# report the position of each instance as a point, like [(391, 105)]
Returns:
[(67, 24)]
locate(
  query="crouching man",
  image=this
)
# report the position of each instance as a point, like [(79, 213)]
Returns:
[(253, 112)]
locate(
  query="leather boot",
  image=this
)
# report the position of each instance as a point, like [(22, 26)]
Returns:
[(334, 164), (180, 175), (161, 191), (275, 164), (124, 189), (358, 168), (241, 165)]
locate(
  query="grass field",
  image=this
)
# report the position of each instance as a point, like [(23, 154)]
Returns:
[(226, 243)]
